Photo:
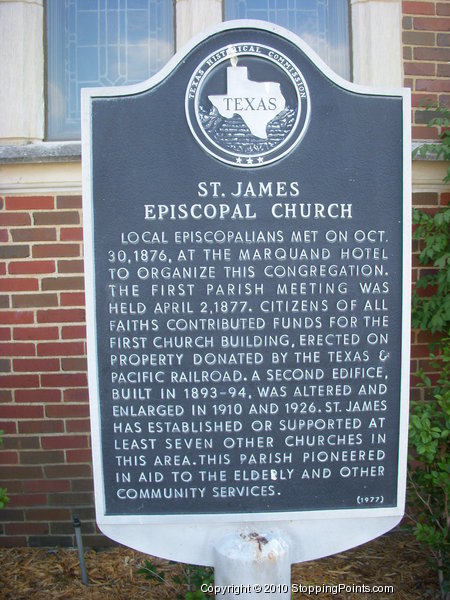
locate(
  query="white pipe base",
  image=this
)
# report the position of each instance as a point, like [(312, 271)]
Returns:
[(252, 565)]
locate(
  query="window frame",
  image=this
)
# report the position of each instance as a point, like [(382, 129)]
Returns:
[(66, 134), (348, 30)]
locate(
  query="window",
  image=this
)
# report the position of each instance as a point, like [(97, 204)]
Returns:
[(323, 24), (101, 43)]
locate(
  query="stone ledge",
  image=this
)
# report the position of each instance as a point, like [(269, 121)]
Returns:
[(53, 152), (41, 152)]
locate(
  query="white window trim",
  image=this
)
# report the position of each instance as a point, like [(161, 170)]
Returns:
[(377, 42), (21, 71)]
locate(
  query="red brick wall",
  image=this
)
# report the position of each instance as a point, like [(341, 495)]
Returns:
[(45, 462), (426, 53)]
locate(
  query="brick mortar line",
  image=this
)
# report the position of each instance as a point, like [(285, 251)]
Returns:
[(430, 77), (426, 60), (411, 61)]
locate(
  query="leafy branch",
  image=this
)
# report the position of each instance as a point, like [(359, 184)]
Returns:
[(441, 151), (431, 300)]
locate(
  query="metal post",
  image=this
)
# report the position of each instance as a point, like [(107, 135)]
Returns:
[(253, 565), (77, 526)]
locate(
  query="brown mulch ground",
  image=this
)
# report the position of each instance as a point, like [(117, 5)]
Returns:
[(42, 573)]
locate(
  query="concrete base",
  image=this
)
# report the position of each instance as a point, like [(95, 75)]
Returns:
[(253, 565)]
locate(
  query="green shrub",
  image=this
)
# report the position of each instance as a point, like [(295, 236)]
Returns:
[(429, 428), (429, 472), (431, 297)]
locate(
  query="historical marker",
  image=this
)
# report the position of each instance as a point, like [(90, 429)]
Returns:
[(247, 258)]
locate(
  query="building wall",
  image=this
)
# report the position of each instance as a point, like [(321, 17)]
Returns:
[(426, 54), (426, 63), (44, 407), (45, 462)]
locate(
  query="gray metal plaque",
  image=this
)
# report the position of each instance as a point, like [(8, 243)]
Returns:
[(247, 259)]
